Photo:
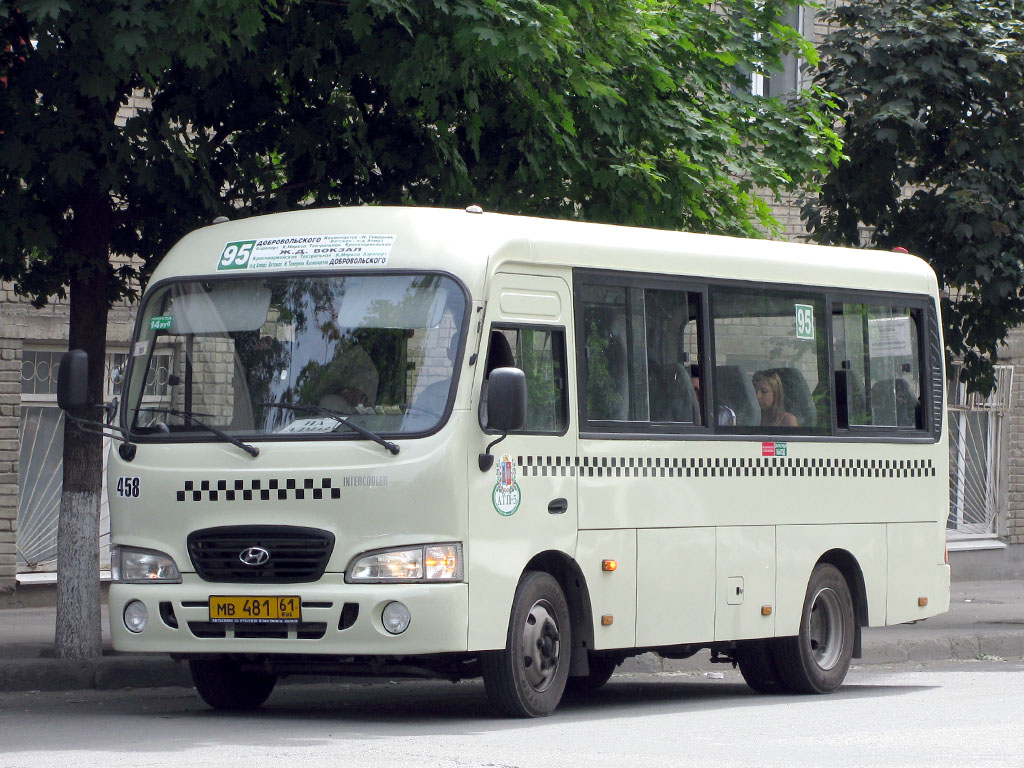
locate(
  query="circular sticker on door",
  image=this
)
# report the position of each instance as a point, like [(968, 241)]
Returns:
[(506, 494)]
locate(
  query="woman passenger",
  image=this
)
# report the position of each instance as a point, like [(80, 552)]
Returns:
[(771, 398)]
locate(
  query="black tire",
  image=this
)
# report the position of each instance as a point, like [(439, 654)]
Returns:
[(601, 669), (222, 684), (527, 678), (756, 659), (817, 660)]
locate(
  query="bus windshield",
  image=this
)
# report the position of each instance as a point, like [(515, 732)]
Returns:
[(285, 356)]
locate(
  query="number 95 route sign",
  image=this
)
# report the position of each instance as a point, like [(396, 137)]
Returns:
[(340, 250)]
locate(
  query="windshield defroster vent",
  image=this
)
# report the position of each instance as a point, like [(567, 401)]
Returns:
[(264, 554)]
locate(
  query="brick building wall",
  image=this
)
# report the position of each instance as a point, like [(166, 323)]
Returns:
[(1012, 527), (23, 327), (19, 322), (10, 388)]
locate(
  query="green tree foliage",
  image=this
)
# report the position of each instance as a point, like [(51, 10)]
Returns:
[(933, 96), (633, 113), (620, 112)]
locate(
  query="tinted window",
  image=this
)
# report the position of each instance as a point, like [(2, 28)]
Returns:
[(771, 360), (641, 347), (878, 354)]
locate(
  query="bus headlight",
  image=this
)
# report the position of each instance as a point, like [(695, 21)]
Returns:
[(142, 566), (430, 562)]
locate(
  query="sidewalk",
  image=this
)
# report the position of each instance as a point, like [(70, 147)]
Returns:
[(986, 619)]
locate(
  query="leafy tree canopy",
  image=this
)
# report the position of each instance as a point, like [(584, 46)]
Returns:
[(622, 112), (933, 96)]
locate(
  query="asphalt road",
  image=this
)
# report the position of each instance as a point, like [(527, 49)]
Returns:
[(939, 714)]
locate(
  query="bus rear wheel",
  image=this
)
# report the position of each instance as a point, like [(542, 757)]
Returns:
[(528, 677), (223, 684), (817, 660), (601, 668)]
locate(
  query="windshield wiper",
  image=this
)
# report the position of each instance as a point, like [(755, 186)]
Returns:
[(338, 416), (252, 450)]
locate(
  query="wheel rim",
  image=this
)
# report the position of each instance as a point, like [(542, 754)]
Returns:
[(826, 629), (540, 646)]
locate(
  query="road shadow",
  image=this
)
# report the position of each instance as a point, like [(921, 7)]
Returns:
[(324, 714), (432, 708)]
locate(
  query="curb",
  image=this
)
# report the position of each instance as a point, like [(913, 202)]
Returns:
[(106, 673), (1003, 645)]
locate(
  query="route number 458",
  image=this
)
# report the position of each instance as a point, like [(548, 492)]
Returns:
[(129, 487), (236, 255)]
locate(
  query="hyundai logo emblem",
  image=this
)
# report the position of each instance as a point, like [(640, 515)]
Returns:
[(254, 556)]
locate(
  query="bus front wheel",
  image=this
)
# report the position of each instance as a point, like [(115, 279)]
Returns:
[(817, 660), (223, 684), (760, 670), (527, 678)]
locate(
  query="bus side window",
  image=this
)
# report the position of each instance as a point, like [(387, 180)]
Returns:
[(771, 360), (606, 333), (540, 354), (673, 398), (640, 345), (879, 347)]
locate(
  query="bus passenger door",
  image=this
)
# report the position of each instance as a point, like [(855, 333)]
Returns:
[(524, 503)]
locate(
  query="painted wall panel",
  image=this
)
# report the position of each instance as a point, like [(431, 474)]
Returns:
[(611, 593), (675, 589), (746, 582)]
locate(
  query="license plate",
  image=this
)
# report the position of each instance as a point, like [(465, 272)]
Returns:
[(265, 610)]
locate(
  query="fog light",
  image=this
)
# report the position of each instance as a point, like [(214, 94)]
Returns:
[(136, 617), (396, 618)]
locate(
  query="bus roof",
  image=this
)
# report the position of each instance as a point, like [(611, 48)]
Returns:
[(470, 244)]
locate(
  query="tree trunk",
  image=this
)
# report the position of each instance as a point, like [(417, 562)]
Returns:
[(78, 634)]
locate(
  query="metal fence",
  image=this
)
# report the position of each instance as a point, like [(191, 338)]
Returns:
[(976, 426)]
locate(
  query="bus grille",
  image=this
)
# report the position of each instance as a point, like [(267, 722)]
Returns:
[(295, 554)]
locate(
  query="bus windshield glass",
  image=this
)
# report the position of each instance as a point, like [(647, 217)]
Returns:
[(288, 357)]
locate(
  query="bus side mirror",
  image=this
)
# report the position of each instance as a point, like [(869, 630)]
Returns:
[(506, 407), (506, 399), (73, 380)]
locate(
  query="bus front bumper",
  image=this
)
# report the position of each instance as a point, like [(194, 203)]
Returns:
[(336, 619)]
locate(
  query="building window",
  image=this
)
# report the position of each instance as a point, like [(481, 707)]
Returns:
[(41, 449), (792, 75)]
